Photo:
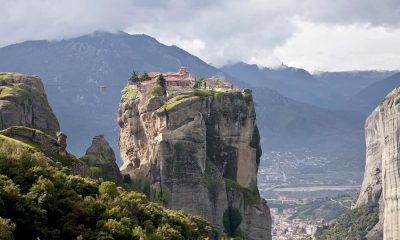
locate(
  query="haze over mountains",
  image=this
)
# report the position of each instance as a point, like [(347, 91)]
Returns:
[(366, 100), (325, 89), (291, 103)]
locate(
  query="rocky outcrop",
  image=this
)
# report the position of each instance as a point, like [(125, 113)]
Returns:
[(52, 147), (101, 159), (199, 150), (48, 144), (25, 115), (382, 172), (23, 102)]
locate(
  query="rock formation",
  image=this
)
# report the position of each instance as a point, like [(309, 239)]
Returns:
[(26, 115), (199, 151), (382, 171), (23, 102), (101, 159)]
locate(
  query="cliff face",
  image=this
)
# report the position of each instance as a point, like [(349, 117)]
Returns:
[(101, 159), (198, 151), (23, 102), (382, 171)]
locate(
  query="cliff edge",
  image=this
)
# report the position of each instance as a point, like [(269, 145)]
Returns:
[(198, 151)]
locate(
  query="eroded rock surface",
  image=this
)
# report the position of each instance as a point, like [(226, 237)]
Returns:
[(23, 102), (199, 151), (101, 159)]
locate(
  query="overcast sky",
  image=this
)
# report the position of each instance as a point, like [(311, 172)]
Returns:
[(312, 34)]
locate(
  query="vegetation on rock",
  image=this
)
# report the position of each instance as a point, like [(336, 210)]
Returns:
[(193, 95), (353, 224), (231, 220), (145, 77), (129, 93), (255, 143), (249, 196), (163, 84), (38, 199), (328, 208), (157, 90), (134, 78)]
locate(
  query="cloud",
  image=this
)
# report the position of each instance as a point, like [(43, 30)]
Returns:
[(349, 47), (217, 31), (373, 12)]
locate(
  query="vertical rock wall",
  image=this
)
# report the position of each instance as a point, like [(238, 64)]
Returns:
[(197, 154), (382, 170)]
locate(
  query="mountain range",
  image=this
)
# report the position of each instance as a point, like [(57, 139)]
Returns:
[(332, 90), (366, 100), (84, 77)]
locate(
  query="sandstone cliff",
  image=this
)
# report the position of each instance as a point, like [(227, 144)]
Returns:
[(198, 149), (23, 102), (382, 171), (101, 159)]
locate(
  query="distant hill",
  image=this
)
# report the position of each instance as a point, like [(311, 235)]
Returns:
[(295, 83), (325, 89), (349, 83), (367, 99), (286, 124), (73, 71)]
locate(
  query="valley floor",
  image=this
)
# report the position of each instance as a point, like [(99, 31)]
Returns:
[(301, 194)]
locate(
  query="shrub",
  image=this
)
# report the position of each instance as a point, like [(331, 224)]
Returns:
[(160, 197), (109, 189)]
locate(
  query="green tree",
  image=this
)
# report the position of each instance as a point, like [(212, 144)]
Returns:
[(39, 199), (134, 78), (162, 83), (231, 220), (145, 77), (6, 229), (109, 189)]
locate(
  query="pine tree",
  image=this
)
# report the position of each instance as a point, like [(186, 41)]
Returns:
[(134, 78), (162, 83), (145, 77)]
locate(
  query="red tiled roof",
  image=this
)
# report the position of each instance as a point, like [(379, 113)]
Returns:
[(173, 76), (153, 74)]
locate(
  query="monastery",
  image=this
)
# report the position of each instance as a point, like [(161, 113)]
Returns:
[(181, 78)]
